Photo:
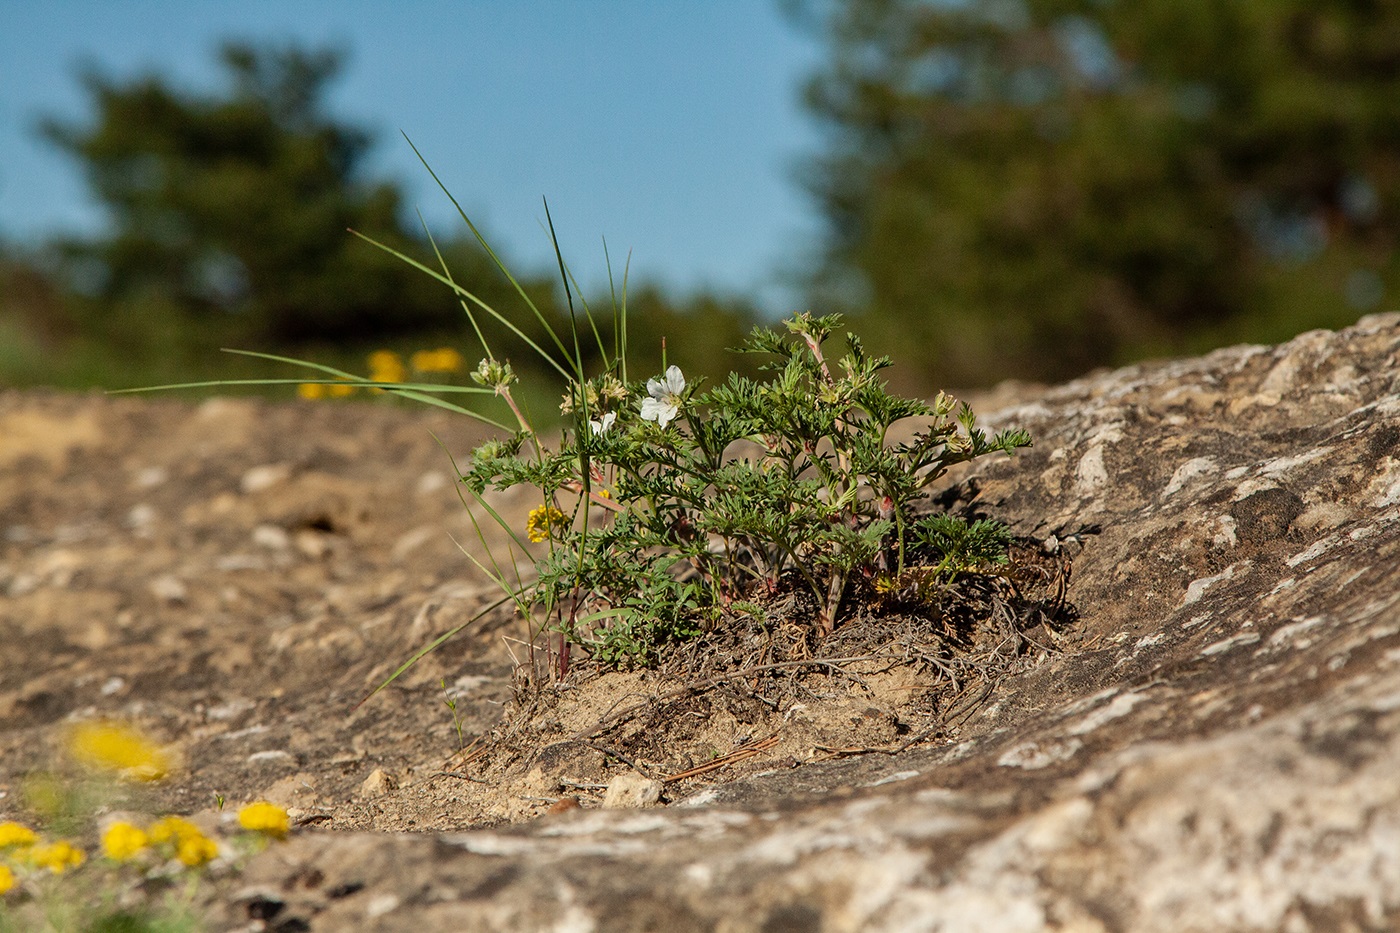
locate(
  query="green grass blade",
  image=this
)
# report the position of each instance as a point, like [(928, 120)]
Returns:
[(429, 648), (459, 290), (520, 290), (471, 317)]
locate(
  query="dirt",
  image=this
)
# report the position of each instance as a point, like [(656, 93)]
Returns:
[(236, 577)]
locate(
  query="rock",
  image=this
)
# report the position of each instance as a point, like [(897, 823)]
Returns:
[(264, 477), (169, 588), (632, 791), (276, 758), (1214, 749), (377, 784), (272, 537)]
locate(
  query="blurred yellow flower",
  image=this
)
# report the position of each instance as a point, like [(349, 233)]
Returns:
[(7, 879), (57, 857), (340, 389), (386, 366), (441, 360), (112, 747), (311, 391), (196, 850), (542, 522), (264, 817), (172, 829), (123, 841), (14, 836)]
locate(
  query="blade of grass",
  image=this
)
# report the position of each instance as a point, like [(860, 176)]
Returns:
[(428, 649), (481, 338), (520, 290), (459, 290)]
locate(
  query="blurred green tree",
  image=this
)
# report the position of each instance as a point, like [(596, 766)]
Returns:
[(1035, 187), (230, 211), (228, 217)]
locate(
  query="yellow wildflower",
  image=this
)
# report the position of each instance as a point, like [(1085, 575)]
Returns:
[(57, 857), (7, 878), (119, 748), (196, 850), (385, 366), (264, 817), (123, 841), (311, 391), (16, 836), (542, 522), (340, 389), (172, 829), (441, 360)]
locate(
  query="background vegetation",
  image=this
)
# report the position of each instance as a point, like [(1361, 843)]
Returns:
[(1025, 188)]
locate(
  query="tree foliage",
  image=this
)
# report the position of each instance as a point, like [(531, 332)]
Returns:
[(1038, 186), (228, 217), (231, 209)]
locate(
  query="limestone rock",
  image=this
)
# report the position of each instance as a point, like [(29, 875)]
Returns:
[(1215, 750), (632, 791)]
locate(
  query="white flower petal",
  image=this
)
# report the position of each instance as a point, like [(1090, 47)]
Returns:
[(662, 412), (675, 382), (601, 425)]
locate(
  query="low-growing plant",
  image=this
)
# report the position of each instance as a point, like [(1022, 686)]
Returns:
[(661, 501), (706, 496)]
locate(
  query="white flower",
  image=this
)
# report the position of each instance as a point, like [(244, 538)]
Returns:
[(665, 401), (601, 425)]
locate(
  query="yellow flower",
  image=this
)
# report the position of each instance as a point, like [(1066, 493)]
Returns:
[(441, 360), (542, 522), (311, 391), (196, 850), (385, 366), (57, 857), (7, 878), (172, 829), (118, 748), (340, 389), (123, 841), (15, 836), (264, 817)]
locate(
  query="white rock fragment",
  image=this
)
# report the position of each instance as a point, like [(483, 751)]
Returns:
[(272, 537), (169, 588), (1197, 466), (1032, 756), (377, 784), (631, 791), (264, 477)]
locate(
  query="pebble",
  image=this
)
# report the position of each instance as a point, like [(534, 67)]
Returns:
[(169, 588), (377, 784), (272, 537), (264, 477), (631, 791)]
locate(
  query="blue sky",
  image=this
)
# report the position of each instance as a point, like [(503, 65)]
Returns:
[(670, 128)]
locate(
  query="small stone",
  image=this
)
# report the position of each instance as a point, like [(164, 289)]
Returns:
[(273, 757), (169, 588), (264, 477), (271, 537), (631, 791), (431, 482), (151, 476), (141, 517), (312, 544), (377, 784)]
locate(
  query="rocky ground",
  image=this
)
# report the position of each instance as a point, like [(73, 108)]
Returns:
[(1210, 745)]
